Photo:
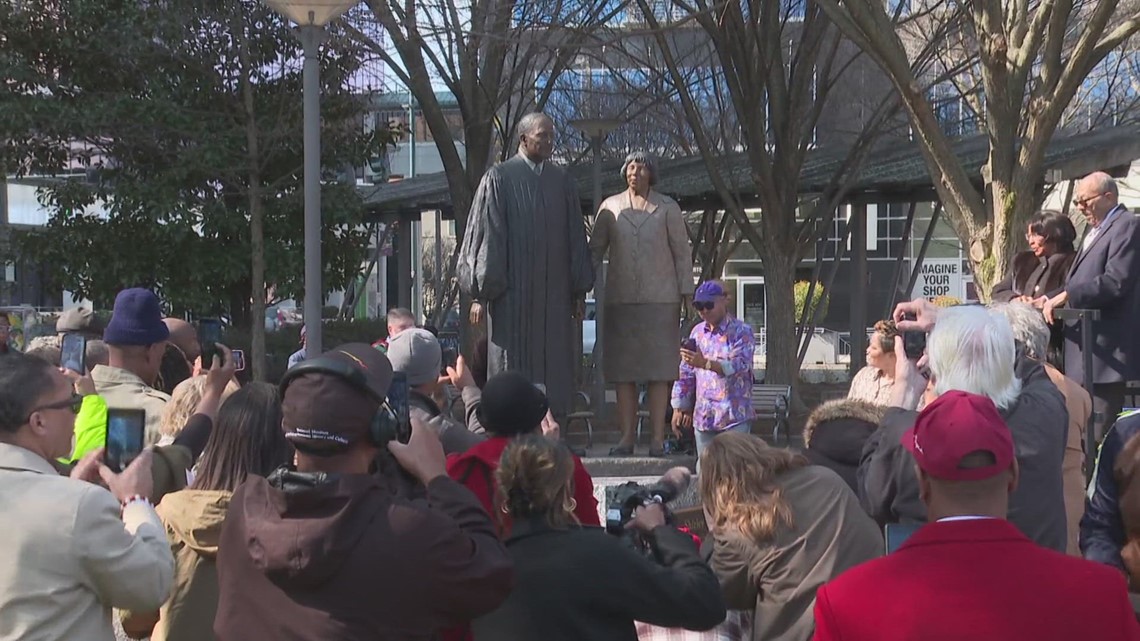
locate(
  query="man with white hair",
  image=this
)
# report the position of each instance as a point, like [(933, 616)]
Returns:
[(971, 349), (526, 264), (1104, 276), (1032, 336)]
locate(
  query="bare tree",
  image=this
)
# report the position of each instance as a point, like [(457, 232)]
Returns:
[(440, 291), (781, 63), (1033, 58), (489, 54)]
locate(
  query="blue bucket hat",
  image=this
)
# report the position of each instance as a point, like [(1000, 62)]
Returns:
[(136, 319), (708, 292)]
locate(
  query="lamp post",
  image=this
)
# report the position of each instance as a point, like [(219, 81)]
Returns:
[(311, 17), (596, 130)]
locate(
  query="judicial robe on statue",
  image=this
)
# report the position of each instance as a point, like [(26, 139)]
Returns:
[(526, 259)]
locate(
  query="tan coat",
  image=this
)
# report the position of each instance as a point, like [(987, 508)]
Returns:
[(193, 520), (123, 390), (651, 260), (1079, 404), (67, 556), (777, 579)]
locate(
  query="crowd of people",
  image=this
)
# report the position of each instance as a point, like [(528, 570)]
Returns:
[(304, 510), (943, 500)]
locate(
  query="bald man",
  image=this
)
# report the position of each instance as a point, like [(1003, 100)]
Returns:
[(1106, 276), (184, 337)]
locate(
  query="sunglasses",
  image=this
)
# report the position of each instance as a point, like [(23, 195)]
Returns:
[(73, 403), (701, 306)]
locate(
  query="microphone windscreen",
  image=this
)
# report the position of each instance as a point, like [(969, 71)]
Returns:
[(678, 478)]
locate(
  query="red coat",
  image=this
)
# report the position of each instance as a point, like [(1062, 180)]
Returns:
[(976, 580), (473, 467)]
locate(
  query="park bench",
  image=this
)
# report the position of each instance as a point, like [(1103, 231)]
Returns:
[(771, 403)]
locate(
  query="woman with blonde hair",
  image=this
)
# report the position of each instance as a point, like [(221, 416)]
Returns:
[(875, 381), (182, 406), (781, 528), (574, 582)]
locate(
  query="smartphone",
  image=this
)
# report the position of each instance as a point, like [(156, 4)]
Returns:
[(898, 533), (126, 430), (239, 359), (398, 402), (689, 344), (914, 341), (73, 353), (209, 335), (450, 358)]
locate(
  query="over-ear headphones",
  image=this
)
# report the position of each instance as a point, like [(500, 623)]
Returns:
[(387, 424)]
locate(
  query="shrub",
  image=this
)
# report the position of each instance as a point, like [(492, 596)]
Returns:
[(946, 301), (819, 299)]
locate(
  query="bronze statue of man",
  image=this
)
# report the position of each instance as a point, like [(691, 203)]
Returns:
[(525, 263)]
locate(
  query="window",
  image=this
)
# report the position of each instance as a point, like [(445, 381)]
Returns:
[(899, 8), (793, 9), (952, 109)]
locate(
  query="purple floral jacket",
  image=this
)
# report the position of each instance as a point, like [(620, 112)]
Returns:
[(719, 402)]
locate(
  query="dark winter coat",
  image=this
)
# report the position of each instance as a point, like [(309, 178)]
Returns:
[(836, 432)]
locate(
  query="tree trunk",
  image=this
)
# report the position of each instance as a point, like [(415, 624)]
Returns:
[(256, 212), (779, 286)]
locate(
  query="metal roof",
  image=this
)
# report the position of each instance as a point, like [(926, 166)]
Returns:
[(893, 171)]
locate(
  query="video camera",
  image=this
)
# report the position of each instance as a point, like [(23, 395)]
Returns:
[(624, 499)]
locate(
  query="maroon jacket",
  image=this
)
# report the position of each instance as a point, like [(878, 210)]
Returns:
[(305, 556)]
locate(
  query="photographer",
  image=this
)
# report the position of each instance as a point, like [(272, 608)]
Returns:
[(325, 550), (971, 349), (580, 583), (418, 355), (780, 528), (70, 550)]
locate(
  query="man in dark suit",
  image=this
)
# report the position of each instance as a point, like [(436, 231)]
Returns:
[(1104, 276), (969, 573)]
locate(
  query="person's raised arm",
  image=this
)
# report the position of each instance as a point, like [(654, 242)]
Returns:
[(462, 379), (197, 430), (467, 572)]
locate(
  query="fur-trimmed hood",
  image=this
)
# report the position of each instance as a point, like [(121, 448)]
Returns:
[(842, 408)]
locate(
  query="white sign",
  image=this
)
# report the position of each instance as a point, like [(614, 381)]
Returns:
[(939, 277)]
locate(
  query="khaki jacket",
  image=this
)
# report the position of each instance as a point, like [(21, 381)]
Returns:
[(777, 578), (193, 520), (67, 556), (123, 390), (651, 260), (1079, 404)]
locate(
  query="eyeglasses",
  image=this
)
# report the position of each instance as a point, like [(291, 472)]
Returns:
[(701, 306), (73, 403), (1084, 202)]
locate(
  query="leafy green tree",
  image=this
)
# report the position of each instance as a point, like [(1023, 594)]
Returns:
[(187, 116)]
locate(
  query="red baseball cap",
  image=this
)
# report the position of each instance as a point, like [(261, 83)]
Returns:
[(954, 425)]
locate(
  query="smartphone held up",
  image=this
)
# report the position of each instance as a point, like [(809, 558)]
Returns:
[(914, 341), (73, 353), (398, 403), (126, 432)]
